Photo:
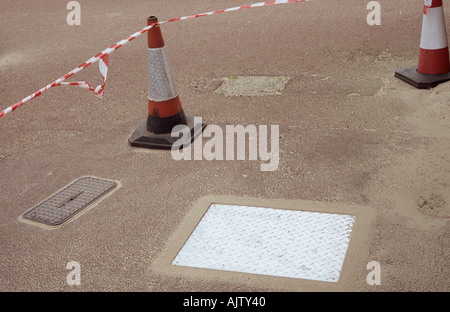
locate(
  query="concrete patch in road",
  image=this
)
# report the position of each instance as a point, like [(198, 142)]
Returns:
[(252, 85)]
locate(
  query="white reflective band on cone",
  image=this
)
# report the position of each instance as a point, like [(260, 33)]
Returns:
[(434, 34), (160, 82)]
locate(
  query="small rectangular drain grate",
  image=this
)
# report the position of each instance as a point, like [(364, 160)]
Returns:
[(66, 203)]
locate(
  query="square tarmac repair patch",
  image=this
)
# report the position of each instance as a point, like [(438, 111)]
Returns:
[(268, 241), (252, 85)]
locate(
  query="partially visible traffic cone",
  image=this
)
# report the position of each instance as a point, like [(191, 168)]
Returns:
[(164, 106), (434, 65)]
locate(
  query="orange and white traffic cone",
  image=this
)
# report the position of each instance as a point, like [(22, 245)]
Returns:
[(434, 65), (164, 106)]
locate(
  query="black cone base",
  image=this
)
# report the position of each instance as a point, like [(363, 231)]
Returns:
[(141, 137), (418, 80)]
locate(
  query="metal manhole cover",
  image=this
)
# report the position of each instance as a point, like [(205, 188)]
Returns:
[(66, 203), (267, 241)]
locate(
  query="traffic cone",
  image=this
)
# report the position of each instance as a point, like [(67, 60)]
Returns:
[(164, 106), (434, 65)]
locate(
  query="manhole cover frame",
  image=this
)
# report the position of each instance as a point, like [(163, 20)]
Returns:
[(353, 265), (74, 213)]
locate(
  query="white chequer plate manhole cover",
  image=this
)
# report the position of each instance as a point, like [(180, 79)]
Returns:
[(268, 241)]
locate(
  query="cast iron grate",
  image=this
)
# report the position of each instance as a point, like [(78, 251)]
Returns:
[(69, 201)]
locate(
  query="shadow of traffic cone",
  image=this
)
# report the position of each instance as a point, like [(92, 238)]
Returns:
[(434, 65), (164, 106)]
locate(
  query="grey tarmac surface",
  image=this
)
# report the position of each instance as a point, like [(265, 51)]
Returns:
[(350, 134)]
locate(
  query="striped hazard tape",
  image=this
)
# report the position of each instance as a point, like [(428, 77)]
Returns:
[(103, 56)]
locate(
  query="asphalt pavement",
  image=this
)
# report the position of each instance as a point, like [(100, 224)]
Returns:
[(350, 135)]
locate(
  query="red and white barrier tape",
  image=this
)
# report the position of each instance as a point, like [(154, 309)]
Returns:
[(104, 55)]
